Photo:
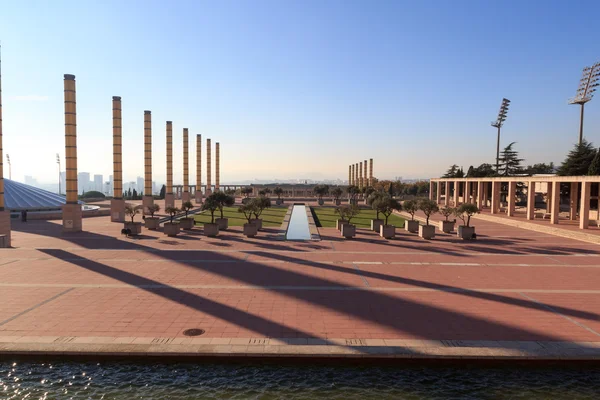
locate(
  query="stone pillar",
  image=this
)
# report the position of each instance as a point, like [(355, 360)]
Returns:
[(447, 193), (4, 214), (573, 201), (147, 200), (531, 200), (438, 192), (495, 198), (217, 168), (356, 175), (198, 169), (186, 196), (467, 192), (555, 206), (366, 180), (456, 192), (353, 175), (584, 206), (349, 175), (549, 198), (208, 169), (169, 195), (480, 189), (117, 204), (371, 183), (512, 192), (430, 189), (72, 209), (360, 176)]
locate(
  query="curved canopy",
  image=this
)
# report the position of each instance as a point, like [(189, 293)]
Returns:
[(18, 196)]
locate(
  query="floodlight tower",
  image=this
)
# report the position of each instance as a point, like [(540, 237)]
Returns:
[(58, 162), (498, 124), (585, 91), (9, 166)]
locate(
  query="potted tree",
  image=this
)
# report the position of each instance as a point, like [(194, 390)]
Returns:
[(445, 225), (377, 222), (171, 228), (387, 205), (353, 191), (152, 222), (342, 212), (250, 229), (367, 191), (135, 227), (428, 207), (465, 212), (337, 193), (211, 205), (411, 207), (186, 223), (320, 191), (348, 230), (224, 200), (259, 204), (278, 191), (246, 191)]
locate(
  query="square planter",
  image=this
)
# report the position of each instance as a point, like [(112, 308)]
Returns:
[(348, 231), (446, 226), (279, 202), (211, 230), (257, 222), (376, 224), (411, 226), (466, 232), (337, 202), (135, 227), (321, 202), (223, 223), (186, 223), (250, 230), (387, 231), (339, 223), (152, 223), (171, 229), (427, 231)]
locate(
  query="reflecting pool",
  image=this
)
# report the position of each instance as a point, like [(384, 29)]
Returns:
[(298, 227)]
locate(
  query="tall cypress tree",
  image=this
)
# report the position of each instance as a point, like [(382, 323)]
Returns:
[(595, 165), (578, 160), (510, 163)]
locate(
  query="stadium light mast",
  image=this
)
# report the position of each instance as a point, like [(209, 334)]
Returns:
[(9, 166), (585, 91), (58, 162), (498, 124)]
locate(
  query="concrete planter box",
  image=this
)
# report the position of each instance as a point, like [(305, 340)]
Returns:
[(186, 223), (250, 230), (387, 231), (257, 222), (152, 223), (135, 227), (348, 231), (446, 226), (376, 224), (337, 202), (339, 223), (223, 223), (411, 226), (427, 231), (321, 202), (466, 232), (171, 229), (279, 202), (211, 230)]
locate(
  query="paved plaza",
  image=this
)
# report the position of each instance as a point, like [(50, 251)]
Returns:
[(511, 293)]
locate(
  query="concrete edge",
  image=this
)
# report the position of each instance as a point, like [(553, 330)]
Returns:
[(312, 226), (286, 223)]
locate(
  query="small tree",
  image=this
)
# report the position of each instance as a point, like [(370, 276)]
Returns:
[(211, 205), (337, 193), (131, 211), (278, 192), (154, 208), (246, 191), (267, 191), (447, 211), (172, 211), (260, 204), (353, 191), (230, 192), (386, 205), (321, 190), (248, 210), (411, 207), (187, 206), (342, 211), (465, 212), (367, 190), (347, 212), (372, 199), (223, 200), (428, 207), (509, 162)]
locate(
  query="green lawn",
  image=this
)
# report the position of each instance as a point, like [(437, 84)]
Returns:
[(326, 217), (271, 216)]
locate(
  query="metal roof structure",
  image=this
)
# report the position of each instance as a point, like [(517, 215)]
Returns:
[(19, 196)]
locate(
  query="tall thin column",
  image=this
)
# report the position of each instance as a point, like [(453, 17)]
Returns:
[(186, 168), (217, 168), (495, 198), (512, 192), (147, 200), (555, 206), (169, 196), (349, 175), (356, 175), (573, 201), (117, 204), (4, 214), (430, 190), (208, 169), (71, 210), (446, 193), (584, 207), (371, 183), (360, 175), (531, 200), (438, 192), (467, 192), (456, 192), (480, 187), (549, 197), (366, 179), (353, 181), (198, 168)]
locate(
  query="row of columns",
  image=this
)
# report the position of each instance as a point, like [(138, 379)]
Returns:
[(357, 174), (477, 192)]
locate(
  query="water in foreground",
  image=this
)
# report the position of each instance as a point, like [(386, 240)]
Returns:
[(128, 380), (298, 228)]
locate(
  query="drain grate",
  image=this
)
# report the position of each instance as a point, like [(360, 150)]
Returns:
[(193, 332)]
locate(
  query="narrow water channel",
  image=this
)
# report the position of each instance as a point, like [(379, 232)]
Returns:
[(298, 227)]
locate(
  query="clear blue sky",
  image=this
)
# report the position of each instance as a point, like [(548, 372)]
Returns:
[(298, 89)]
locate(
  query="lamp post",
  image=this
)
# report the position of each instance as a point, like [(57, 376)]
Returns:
[(498, 124), (58, 162), (9, 167), (585, 91)]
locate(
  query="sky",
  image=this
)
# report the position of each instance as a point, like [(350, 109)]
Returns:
[(297, 89)]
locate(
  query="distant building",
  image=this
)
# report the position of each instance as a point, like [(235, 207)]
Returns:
[(83, 182), (111, 186), (63, 182), (154, 188), (30, 180), (98, 183), (140, 184)]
